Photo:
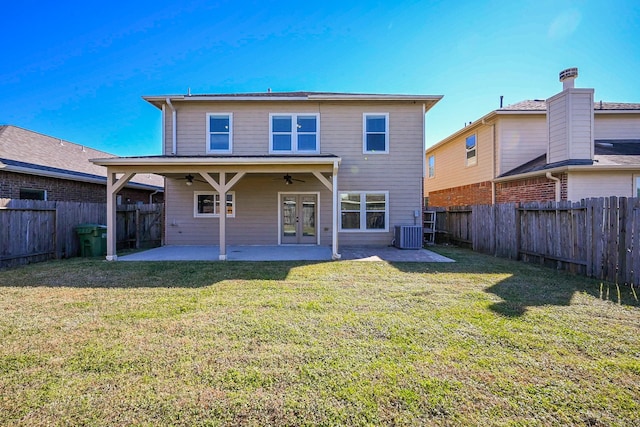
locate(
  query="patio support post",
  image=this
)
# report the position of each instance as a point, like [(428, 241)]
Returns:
[(336, 214), (223, 217), (113, 186)]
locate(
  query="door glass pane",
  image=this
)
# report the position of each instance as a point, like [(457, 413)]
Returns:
[(289, 216), (308, 216)]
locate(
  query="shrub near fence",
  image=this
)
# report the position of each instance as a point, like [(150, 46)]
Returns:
[(36, 230), (595, 237)]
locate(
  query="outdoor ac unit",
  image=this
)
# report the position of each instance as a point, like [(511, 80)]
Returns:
[(408, 237)]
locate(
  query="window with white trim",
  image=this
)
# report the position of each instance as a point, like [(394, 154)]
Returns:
[(432, 166), (207, 204), (375, 138), (470, 148), (364, 211), (637, 192), (294, 133), (219, 133)]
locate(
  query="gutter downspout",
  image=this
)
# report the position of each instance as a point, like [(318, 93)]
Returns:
[(557, 180), (174, 131), (151, 196)]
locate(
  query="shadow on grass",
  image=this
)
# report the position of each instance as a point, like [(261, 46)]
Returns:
[(523, 286), (527, 285)]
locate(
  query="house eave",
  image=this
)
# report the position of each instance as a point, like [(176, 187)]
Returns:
[(217, 161), (70, 177), (570, 168)]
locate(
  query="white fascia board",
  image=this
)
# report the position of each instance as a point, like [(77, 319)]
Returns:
[(223, 161), (571, 168)]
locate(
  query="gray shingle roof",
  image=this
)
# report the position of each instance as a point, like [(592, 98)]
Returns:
[(541, 105), (41, 153)]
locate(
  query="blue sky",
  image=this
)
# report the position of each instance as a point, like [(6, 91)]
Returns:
[(77, 70)]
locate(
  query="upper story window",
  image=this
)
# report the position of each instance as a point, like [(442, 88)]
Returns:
[(432, 166), (376, 133), (471, 149), (219, 132), (294, 133), (207, 204)]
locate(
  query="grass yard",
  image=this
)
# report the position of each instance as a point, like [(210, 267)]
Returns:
[(483, 341)]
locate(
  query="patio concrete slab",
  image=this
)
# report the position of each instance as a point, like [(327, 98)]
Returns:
[(283, 253)]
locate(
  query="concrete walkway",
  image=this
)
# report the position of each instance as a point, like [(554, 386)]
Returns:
[(284, 253)]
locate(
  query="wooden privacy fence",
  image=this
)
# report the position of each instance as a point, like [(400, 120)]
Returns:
[(595, 237), (36, 230)]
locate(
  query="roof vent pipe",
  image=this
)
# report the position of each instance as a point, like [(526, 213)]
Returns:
[(501, 98), (567, 77)]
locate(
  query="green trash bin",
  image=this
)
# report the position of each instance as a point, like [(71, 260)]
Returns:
[(93, 239)]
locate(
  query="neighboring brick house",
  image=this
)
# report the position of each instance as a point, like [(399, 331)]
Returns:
[(36, 166), (567, 147), (293, 168)]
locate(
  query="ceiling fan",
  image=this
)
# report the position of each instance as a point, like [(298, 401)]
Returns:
[(288, 179), (190, 180)]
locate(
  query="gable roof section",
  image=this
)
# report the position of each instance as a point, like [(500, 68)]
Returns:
[(537, 106), (25, 151), (428, 100)]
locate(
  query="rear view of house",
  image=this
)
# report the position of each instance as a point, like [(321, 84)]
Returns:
[(567, 147), (294, 168)]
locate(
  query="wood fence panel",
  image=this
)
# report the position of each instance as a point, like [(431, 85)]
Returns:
[(635, 244), (31, 227), (598, 237)]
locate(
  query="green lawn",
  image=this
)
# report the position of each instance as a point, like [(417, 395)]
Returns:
[(482, 341)]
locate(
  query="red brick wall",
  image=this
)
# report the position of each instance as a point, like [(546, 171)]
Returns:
[(66, 190), (538, 189), (473, 194)]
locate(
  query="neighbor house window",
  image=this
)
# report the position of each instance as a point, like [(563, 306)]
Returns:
[(219, 132), (637, 186), (470, 146), (207, 204), (432, 166), (32, 194), (294, 133), (376, 133), (364, 211)]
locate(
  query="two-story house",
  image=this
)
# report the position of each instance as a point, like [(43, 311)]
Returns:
[(294, 168), (567, 147)]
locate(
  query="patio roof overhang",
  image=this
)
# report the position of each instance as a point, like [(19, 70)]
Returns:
[(226, 170)]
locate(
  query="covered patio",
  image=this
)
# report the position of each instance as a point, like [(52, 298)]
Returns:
[(222, 173), (285, 253)]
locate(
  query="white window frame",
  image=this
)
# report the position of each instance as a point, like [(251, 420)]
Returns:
[(473, 160), (363, 212), (636, 186), (294, 133), (431, 165), (216, 195), (364, 133), (209, 132)]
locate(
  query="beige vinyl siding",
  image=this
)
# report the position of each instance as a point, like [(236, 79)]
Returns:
[(521, 139), (617, 126), (581, 126), (256, 204), (558, 131), (450, 158), (399, 171), (582, 185), (250, 125)]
